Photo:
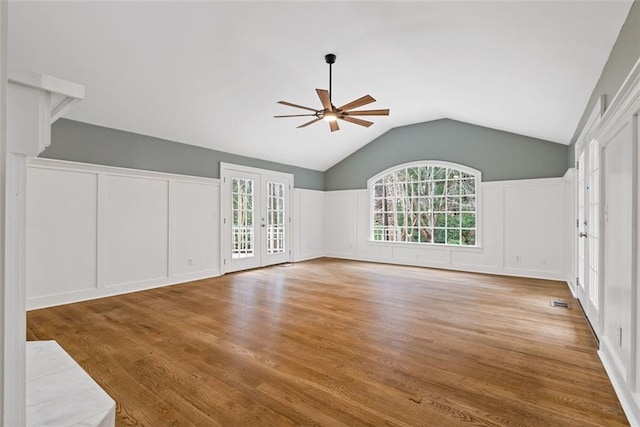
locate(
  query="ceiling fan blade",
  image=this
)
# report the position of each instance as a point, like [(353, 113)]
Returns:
[(295, 115), (384, 112), (334, 126), (360, 122), (324, 98), (367, 99), (296, 105), (310, 123)]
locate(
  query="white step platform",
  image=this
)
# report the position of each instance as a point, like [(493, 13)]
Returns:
[(61, 393)]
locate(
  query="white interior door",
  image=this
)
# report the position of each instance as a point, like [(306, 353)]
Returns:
[(588, 232), (256, 220)]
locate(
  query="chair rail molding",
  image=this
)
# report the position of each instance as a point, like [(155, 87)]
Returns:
[(34, 101)]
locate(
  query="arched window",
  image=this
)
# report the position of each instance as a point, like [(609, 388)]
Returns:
[(425, 202)]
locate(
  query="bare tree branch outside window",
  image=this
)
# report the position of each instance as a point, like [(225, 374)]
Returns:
[(425, 204)]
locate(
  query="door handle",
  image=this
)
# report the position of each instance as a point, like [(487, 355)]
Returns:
[(582, 234)]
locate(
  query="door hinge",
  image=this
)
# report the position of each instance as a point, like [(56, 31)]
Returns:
[(289, 251), (224, 261), (224, 180), (577, 165), (224, 220), (577, 222)]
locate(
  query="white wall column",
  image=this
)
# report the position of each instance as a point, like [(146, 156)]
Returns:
[(3, 145), (34, 102), (14, 308)]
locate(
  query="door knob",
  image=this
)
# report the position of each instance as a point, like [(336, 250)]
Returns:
[(582, 234)]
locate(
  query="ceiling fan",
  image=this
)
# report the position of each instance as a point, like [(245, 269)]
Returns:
[(330, 113)]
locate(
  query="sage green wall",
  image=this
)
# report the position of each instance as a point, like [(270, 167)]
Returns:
[(623, 56), (498, 155), (82, 142)]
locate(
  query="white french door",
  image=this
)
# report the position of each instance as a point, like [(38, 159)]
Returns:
[(256, 219), (589, 290)]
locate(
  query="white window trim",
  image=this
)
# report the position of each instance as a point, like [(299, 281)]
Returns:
[(419, 163)]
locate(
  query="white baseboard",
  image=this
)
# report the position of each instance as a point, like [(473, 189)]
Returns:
[(35, 303), (307, 257), (572, 288), (628, 399)]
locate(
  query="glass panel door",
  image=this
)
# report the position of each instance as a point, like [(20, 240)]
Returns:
[(241, 195), (277, 220), (593, 235), (256, 217), (582, 241), (588, 231)]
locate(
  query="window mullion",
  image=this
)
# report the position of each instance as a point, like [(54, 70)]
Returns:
[(429, 202)]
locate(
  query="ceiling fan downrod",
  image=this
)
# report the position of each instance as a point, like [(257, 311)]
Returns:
[(330, 58)]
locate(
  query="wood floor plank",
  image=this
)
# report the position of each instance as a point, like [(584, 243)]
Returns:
[(329, 342)]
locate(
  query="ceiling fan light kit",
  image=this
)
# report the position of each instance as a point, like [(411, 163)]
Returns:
[(330, 113)]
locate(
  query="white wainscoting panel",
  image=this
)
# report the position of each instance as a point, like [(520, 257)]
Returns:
[(534, 227), (95, 231), (61, 231), (196, 227), (618, 134), (428, 256), (618, 249), (137, 229), (308, 224), (539, 205), (340, 223)]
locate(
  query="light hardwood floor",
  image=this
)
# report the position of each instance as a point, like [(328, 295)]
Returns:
[(331, 342)]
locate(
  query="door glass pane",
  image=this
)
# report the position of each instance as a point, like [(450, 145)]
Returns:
[(242, 243), (275, 218), (594, 220), (581, 218)]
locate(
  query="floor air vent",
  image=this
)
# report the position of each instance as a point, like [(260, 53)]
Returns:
[(560, 303)]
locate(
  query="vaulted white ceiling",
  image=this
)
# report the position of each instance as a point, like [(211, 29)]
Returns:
[(210, 73)]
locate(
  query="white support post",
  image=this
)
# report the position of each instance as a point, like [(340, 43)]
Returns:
[(14, 307), (34, 102), (4, 344)]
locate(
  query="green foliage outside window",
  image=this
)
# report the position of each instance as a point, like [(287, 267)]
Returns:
[(425, 204)]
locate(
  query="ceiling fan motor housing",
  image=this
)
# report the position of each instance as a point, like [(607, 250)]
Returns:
[(330, 58)]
